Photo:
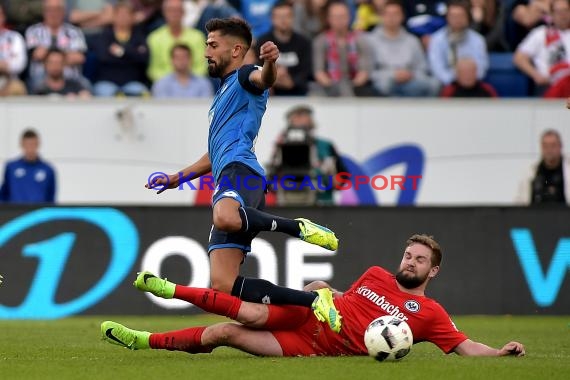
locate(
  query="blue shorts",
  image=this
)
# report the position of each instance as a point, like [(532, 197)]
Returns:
[(239, 182)]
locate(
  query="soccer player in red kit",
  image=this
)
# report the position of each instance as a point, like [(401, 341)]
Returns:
[(277, 330)]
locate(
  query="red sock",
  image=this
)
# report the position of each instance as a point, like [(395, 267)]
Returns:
[(187, 340), (286, 317), (209, 300)]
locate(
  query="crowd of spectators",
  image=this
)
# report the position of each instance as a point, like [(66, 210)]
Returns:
[(415, 48)]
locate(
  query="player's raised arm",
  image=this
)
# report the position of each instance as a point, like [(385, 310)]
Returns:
[(471, 348), (268, 53), (196, 170)]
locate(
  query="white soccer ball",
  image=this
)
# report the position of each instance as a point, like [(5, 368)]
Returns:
[(388, 338)]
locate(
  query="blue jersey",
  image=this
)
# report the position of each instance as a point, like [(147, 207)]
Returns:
[(28, 182), (235, 118)]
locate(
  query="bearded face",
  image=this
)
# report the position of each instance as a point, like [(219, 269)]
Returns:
[(415, 267), (217, 68), (410, 280)]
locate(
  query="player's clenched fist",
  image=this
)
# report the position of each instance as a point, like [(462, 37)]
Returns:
[(268, 52)]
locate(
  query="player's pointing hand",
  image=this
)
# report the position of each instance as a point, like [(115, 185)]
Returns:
[(163, 182), (268, 52)]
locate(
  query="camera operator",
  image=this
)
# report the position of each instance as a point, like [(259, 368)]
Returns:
[(299, 153), (548, 181)]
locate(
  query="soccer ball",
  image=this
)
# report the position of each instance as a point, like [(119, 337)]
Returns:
[(388, 338)]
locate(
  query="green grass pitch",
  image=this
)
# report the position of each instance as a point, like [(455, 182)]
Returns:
[(72, 349)]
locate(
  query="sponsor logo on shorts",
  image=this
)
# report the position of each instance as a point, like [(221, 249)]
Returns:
[(230, 193)]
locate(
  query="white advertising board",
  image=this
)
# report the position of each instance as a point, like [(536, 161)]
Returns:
[(467, 152)]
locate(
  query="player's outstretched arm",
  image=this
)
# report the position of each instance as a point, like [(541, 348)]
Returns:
[(268, 53), (196, 170), (471, 348)]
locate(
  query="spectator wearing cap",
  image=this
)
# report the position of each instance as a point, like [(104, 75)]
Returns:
[(28, 179)]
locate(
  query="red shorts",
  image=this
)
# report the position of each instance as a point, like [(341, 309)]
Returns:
[(310, 338)]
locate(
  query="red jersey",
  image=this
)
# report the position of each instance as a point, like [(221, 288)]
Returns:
[(375, 294)]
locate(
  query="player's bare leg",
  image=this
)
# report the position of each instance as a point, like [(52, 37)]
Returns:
[(224, 268), (226, 215), (255, 342)]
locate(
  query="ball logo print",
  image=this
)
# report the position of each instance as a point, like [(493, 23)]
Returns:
[(54, 253), (388, 338), (412, 306)]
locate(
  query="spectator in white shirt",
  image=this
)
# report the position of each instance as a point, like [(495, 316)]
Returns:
[(13, 59), (54, 33)]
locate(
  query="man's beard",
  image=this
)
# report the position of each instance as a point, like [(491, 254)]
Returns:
[(409, 281), (217, 69)]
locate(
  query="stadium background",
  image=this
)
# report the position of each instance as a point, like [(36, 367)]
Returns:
[(79, 256)]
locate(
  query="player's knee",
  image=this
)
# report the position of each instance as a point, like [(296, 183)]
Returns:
[(227, 220), (253, 315), (220, 334), (227, 333), (222, 285)]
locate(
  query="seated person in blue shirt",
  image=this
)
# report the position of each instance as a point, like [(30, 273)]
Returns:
[(28, 179), (182, 83), (454, 42)]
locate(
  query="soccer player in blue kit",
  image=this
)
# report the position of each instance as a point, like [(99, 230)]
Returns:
[(235, 118)]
